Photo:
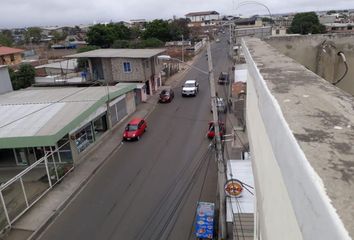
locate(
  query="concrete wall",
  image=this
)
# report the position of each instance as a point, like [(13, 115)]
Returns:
[(276, 216), (5, 82), (11, 59), (298, 127), (203, 18), (138, 73), (308, 51), (130, 100)]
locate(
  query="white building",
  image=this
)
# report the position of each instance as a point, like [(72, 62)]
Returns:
[(203, 16), (5, 82)]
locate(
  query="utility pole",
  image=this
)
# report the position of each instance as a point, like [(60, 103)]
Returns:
[(231, 44), (182, 49), (219, 153)]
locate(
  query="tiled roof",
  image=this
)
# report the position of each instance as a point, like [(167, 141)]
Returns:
[(8, 50)]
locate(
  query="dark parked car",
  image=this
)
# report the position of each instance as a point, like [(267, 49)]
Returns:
[(134, 129), (166, 95), (211, 130), (223, 78)]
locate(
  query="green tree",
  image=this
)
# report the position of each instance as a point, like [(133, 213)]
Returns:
[(152, 43), (24, 77), (135, 33), (105, 35), (57, 36), (121, 44), (33, 35), (6, 38), (305, 23), (178, 28), (159, 29), (82, 62)]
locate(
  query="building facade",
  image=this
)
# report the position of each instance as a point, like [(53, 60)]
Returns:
[(125, 65), (10, 56), (5, 81), (68, 121), (300, 134)]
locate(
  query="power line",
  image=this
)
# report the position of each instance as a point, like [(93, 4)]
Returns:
[(187, 189), (171, 188), (199, 197)]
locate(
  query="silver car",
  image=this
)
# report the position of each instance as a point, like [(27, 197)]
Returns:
[(220, 105)]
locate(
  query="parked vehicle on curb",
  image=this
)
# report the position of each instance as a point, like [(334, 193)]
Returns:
[(224, 78), (166, 95), (134, 129), (211, 130), (220, 105), (190, 88)]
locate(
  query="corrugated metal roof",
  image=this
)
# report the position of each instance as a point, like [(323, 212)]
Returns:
[(67, 64), (41, 117), (202, 13), (119, 53), (8, 50)]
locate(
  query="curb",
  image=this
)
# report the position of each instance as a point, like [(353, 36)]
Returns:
[(37, 233), (70, 198), (48, 221)]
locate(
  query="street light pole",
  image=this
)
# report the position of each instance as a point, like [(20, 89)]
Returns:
[(219, 153)]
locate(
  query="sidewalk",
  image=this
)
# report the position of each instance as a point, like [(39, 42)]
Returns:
[(42, 214)]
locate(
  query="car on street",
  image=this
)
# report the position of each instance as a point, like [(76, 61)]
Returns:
[(134, 129), (166, 95), (223, 78), (220, 105), (190, 88), (211, 130), (217, 40)]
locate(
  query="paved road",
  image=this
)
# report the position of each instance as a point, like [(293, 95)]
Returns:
[(149, 189)]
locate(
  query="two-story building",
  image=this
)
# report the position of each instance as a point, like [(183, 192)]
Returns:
[(10, 56), (139, 66), (203, 16)]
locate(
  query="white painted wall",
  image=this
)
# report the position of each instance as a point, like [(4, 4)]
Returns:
[(276, 216), (291, 199), (5, 82)]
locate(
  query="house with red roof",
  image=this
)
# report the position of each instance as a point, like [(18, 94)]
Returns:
[(10, 56)]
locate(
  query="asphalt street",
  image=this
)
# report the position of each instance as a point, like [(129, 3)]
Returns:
[(149, 189)]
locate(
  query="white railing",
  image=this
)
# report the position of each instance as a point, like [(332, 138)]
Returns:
[(21, 192)]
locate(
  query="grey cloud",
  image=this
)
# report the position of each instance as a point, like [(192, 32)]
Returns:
[(65, 12)]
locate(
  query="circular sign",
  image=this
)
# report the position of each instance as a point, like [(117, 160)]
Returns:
[(233, 188)]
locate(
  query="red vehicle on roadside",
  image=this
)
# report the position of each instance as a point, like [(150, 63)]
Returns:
[(211, 130), (134, 129)]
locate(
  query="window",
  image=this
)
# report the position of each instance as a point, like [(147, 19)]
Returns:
[(126, 67), (12, 57)]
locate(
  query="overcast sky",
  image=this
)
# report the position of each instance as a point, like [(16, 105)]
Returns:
[(25, 13)]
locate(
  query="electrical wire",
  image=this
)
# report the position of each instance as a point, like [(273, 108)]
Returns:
[(171, 188), (188, 188), (239, 210), (199, 197), (341, 54)]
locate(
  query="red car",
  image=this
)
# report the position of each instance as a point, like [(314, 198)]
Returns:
[(211, 130), (134, 129)]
